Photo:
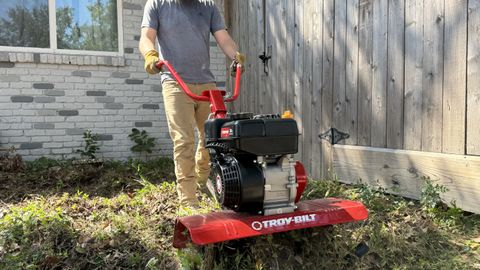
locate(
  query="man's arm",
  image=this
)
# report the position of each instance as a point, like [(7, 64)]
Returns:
[(226, 43), (147, 48), (147, 40)]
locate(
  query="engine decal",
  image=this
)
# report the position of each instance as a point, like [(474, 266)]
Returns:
[(226, 132), (279, 222)]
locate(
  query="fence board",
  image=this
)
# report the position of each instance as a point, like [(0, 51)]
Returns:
[(290, 58), (473, 79), (455, 70), (307, 89), (273, 44), (297, 96), (401, 172), (413, 75), (283, 76), (351, 73), (395, 85), (327, 83), (379, 84), (259, 90), (365, 63), (339, 65), (317, 88), (432, 76)]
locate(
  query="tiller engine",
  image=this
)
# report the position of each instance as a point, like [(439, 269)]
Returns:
[(254, 173)]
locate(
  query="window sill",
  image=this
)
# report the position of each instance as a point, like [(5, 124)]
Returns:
[(115, 60)]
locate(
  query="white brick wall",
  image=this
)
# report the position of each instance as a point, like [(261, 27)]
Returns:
[(48, 100)]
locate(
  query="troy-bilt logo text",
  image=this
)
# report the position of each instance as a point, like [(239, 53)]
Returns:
[(272, 223)]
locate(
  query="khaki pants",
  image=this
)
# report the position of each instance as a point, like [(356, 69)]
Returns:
[(183, 115)]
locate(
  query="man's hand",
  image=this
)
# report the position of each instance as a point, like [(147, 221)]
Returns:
[(239, 59), (151, 59)]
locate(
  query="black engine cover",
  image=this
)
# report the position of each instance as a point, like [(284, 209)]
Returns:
[(238, 185), (259, 137)]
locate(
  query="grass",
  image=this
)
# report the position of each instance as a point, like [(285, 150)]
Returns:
[(61, 215)]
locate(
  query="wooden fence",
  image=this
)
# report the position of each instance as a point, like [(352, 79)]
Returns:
[(397, 74)]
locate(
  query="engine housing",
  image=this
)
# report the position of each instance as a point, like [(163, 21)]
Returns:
[(253, 168)]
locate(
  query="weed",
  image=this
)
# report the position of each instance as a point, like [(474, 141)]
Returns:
[(430, 196), (143, 142), (91, 145)]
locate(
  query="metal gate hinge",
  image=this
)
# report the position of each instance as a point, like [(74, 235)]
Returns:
[(333, 136), (265, 57)]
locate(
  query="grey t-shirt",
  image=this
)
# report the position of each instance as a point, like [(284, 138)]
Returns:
[(183, 34)]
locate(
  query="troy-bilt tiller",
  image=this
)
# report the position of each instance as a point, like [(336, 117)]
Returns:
[(253, 173)]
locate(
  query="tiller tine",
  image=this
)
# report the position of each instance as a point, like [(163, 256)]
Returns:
[(229, 225)]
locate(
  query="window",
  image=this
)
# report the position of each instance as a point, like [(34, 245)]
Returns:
[(65, 26), (24, 23)]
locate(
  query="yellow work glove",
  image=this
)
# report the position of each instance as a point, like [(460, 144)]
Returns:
[(151, 58), (239, 59)]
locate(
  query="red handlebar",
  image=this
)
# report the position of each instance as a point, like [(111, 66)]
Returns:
[(189, 93)]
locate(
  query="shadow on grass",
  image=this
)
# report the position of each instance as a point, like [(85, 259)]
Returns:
[(47, 177)]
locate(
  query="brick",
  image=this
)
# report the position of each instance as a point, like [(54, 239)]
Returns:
[(133, 81), (43, 126), (44, 99), (107, 60), (72, 79), (128, 50), (9, 78), (143, 124), (113, 106), (151, 106), (36, 58), (96, 93), (127, 5), (23, 99), (43, 85), (47, 112), (74, 131), (62, 151), (4, 57), (105, 137), (55, 93), (118, 74), (53, 145), (35, 145), (81, 73), (7, 65), (156, 88), (68, 113), (105, 99)]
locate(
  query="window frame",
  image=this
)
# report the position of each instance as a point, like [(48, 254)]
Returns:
[(52, 16)]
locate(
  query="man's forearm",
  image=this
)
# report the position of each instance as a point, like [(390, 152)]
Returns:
[(229, 48), (147, 40), (146, 45), (226, 43)]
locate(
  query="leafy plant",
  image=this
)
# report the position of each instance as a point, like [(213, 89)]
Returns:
[(143, 142), (430, 196), (91, 147)]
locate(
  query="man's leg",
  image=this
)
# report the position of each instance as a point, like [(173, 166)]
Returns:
[(180, 112), (202, 157)]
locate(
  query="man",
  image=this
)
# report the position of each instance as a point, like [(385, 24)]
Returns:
[(182, 29)]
